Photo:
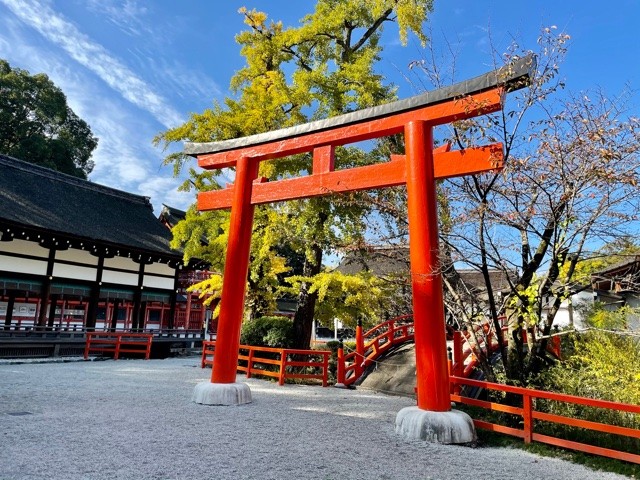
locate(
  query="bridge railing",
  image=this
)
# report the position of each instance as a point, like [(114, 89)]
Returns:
[(280, 363), (372, 344), (533, 417)]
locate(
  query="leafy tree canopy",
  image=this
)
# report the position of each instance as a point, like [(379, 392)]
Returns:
[(321, 68), (37, 125)]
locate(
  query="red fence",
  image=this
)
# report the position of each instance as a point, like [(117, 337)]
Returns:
[(117, 343), (530, 415), (280, 363)]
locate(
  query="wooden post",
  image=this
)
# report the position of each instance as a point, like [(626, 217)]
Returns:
[(450, 367), (340, 373), (359, 349), (94, 297), (235, 274), (114, 315), (527, 417), (187, 313), (249, 361), (52, 311), (325, 369), (172, 302), (9, 314), (458, 361), (428, 307), (283, 366)]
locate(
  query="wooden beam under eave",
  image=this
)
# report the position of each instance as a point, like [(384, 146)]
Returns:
[(388, 174)]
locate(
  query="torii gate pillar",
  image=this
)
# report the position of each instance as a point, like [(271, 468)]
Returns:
[(432, 419), (223, 388), (426, 283)]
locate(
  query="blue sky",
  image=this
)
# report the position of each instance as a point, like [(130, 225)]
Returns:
[(133, 68)]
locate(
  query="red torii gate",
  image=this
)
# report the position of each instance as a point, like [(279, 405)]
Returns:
[(418, 169)]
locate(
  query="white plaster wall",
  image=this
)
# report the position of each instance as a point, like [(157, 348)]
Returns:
[(23, 265), (121, 278), (24, 247), (578, 300), (160, 269), (634, 320), (78, 256), (632, 301), (124, 263), (158, 282), (74, 272)]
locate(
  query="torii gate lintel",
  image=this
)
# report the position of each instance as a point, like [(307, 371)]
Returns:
[(324, 180)]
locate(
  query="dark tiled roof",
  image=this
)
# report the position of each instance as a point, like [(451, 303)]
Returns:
[(475, 280), (381, 261), (619, 277), (394, 260), (621, 266), (45, 200)]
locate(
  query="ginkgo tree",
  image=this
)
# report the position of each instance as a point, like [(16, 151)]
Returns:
[(323, 67)]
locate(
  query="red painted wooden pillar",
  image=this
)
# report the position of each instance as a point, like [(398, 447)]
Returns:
[(359, 349), (341, 373), (458, 361), (428, 308), (234, 282), (187, 313)]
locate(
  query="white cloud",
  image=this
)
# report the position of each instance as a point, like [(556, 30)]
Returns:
[(127, 15), (94, 57), (164, 190), (173, 76), (125, 158)]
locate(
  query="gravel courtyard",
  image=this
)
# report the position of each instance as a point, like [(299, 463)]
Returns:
[(134, 419)]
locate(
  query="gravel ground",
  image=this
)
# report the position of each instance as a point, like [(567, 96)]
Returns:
[(134, 419)]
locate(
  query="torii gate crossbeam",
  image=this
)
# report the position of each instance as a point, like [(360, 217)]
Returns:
[(418, 169)]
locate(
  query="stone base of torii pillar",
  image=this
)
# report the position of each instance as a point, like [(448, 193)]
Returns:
[(452, 427), (208, 393)]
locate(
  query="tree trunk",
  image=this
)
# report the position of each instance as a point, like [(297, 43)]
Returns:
[(515, 365), (303, 319)]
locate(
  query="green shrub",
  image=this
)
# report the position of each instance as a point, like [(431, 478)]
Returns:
[(274, 332), (332, 345), (349, 346)]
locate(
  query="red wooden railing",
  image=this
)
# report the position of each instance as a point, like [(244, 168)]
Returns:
[(529, 415), (251, 361), (117, 343), (468, 347), (372, 344)]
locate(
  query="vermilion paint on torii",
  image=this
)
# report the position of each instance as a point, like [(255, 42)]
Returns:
[(418, 169)]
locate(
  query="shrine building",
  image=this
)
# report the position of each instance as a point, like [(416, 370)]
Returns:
[(77, 255)]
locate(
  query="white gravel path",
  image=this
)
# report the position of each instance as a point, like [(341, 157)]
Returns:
[(133, 419)]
